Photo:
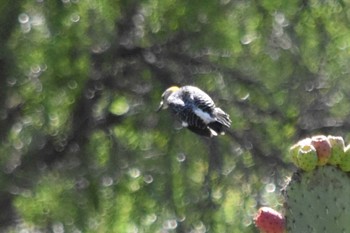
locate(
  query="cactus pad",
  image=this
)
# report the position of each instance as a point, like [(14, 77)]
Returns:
[(318, 201)]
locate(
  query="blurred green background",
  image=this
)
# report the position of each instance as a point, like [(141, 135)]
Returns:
[(82, 148)]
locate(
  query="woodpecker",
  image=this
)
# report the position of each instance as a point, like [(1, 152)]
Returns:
[(196, 110)]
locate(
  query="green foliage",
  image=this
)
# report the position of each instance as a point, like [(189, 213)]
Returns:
[(48, 203), (82, 147)]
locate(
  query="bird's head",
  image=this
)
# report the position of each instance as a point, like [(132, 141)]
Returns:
[(163, 103)]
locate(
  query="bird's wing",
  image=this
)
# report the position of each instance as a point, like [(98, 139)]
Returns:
[(201, 103), (200, 99), (191, 118), (185, 112)]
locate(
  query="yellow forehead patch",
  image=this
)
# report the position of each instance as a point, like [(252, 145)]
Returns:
[(173, 88)]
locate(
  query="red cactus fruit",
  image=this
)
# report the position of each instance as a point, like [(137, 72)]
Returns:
[(323, 148), (269, 220)]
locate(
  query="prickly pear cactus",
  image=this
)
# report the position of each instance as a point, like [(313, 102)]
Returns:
[(317, 197), (318, 201)]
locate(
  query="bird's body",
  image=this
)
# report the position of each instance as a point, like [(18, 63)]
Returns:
[(196, 110)]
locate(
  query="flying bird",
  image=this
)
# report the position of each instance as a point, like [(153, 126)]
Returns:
[(196, 110)]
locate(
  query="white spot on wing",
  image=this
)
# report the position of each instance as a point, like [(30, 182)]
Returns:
[(184, 124), (204, 116)]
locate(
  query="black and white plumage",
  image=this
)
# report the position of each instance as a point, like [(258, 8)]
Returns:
[(196, 110)]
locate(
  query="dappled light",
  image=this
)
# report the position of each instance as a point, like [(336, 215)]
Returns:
[(83, 148)]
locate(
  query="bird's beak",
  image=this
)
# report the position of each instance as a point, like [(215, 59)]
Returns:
[(160, 106)]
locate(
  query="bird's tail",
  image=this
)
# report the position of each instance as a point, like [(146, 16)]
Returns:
[(207, 131), (217, 127), (222, 121), (222, 117)]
